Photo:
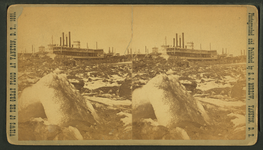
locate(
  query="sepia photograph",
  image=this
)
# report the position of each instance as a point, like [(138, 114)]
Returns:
[(191, 82), (133, 73)]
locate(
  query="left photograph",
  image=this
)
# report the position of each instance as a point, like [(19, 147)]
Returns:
[(74, 74)]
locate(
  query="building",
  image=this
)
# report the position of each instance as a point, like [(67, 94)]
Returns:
[(155, 50), (41, 49)]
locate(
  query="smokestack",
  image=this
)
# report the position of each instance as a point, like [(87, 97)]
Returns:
[(32, 49), (173, 42), (165, 41), (66, 41), (112, 50), (69, 39), (130, 50), (241, 53), (179, 41), (127, 51), (183, 39), (145, 50), (63, 38), (226, 50), (96, 45), (222, 50), (176, 40), (60, 41), (109, 49), (87, 45)]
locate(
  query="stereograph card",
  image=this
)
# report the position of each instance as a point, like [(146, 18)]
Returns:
[(132, 75)]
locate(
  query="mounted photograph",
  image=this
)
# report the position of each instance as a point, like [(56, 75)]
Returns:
[(132, 74)]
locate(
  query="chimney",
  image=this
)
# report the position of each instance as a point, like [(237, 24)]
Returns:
[(179, 41), (127, 51), (176, 40), (66, 41), (63, 38), (69, 39), (241, 53), (183, 39), (173, 42), (130, 50), (112, 50), (96, 45), (222, 50), (60, 41), (109, 50), (165, 41), (145, 50)]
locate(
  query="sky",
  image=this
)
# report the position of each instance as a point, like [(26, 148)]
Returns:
[(134, 26)]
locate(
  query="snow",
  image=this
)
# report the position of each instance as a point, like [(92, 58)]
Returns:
[(127, 120), (211, 85), (221, 103), (239, 120), (99, 83), (153, 122), (108, 101)]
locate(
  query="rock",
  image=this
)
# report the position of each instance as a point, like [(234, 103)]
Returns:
[(179, 133), (56, 99), (69, 133), (125, 89), (190, 85), (170, 101), (78, 85), (46, 132)]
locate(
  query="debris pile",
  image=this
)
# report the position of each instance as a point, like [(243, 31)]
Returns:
[(219, 90), (74, 101)]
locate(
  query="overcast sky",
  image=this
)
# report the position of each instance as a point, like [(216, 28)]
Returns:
[(117, 26)]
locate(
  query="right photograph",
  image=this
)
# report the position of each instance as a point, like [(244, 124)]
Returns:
[(189, 72)]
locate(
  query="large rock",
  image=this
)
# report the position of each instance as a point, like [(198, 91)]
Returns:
[(56, 99), (170, 101)]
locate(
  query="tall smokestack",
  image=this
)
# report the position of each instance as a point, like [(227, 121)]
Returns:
[(241, 53), (109, 49), (60, 41), (66, 41), (165, 41), (176, 40), (173, 42), (183, 39), (222, 50), (69, 39), (63, 38), (179, 41), (112, 50), (127, 51), (96, 45), (130, 50), (145, 50)]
